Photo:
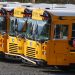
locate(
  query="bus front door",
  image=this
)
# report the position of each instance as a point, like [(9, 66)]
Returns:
[(58, 53)]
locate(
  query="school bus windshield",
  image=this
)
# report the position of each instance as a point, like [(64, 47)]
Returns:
[(38, 29), (17, 25), (2, 24)]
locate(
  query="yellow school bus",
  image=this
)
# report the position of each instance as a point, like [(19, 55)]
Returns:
[(3, 28), (34, 47), (16, 33), (50, 37), (5, 14)]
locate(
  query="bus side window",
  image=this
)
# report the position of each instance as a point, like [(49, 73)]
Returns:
[(12, 23), (61, 31), (73, 31), (16, 25), (57, 32), (72, 40)]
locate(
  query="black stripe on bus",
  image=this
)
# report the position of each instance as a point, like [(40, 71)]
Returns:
[(72, 50)]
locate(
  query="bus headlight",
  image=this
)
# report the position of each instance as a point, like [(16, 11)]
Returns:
[(2, 45), (44, 52)]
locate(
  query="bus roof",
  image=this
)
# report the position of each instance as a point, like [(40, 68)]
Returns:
[(27, 4), (8, 8), (57, 9)]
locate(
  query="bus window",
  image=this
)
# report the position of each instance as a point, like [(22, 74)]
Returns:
[(73, 31), (61, 31), (2, 24)]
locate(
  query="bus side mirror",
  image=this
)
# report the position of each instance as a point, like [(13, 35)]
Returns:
[(16, 25), (74, 43), (71, 43), (24, 27)]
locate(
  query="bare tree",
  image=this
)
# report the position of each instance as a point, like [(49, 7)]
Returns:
[(33, 1), (48, 1), (22, 1)]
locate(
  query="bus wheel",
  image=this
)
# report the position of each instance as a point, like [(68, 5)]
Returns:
[(2, 55), (64, 68), (41, 63)]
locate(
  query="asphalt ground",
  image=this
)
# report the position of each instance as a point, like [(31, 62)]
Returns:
[(9, 67)]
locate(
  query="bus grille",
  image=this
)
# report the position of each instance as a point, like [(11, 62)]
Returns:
[(13, 48), (30, 52)]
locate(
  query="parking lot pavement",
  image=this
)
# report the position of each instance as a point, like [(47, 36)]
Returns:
[(17, 68)]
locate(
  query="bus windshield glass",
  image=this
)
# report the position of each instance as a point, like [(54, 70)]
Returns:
[(38, 29), (2, 24), (17, 25)]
